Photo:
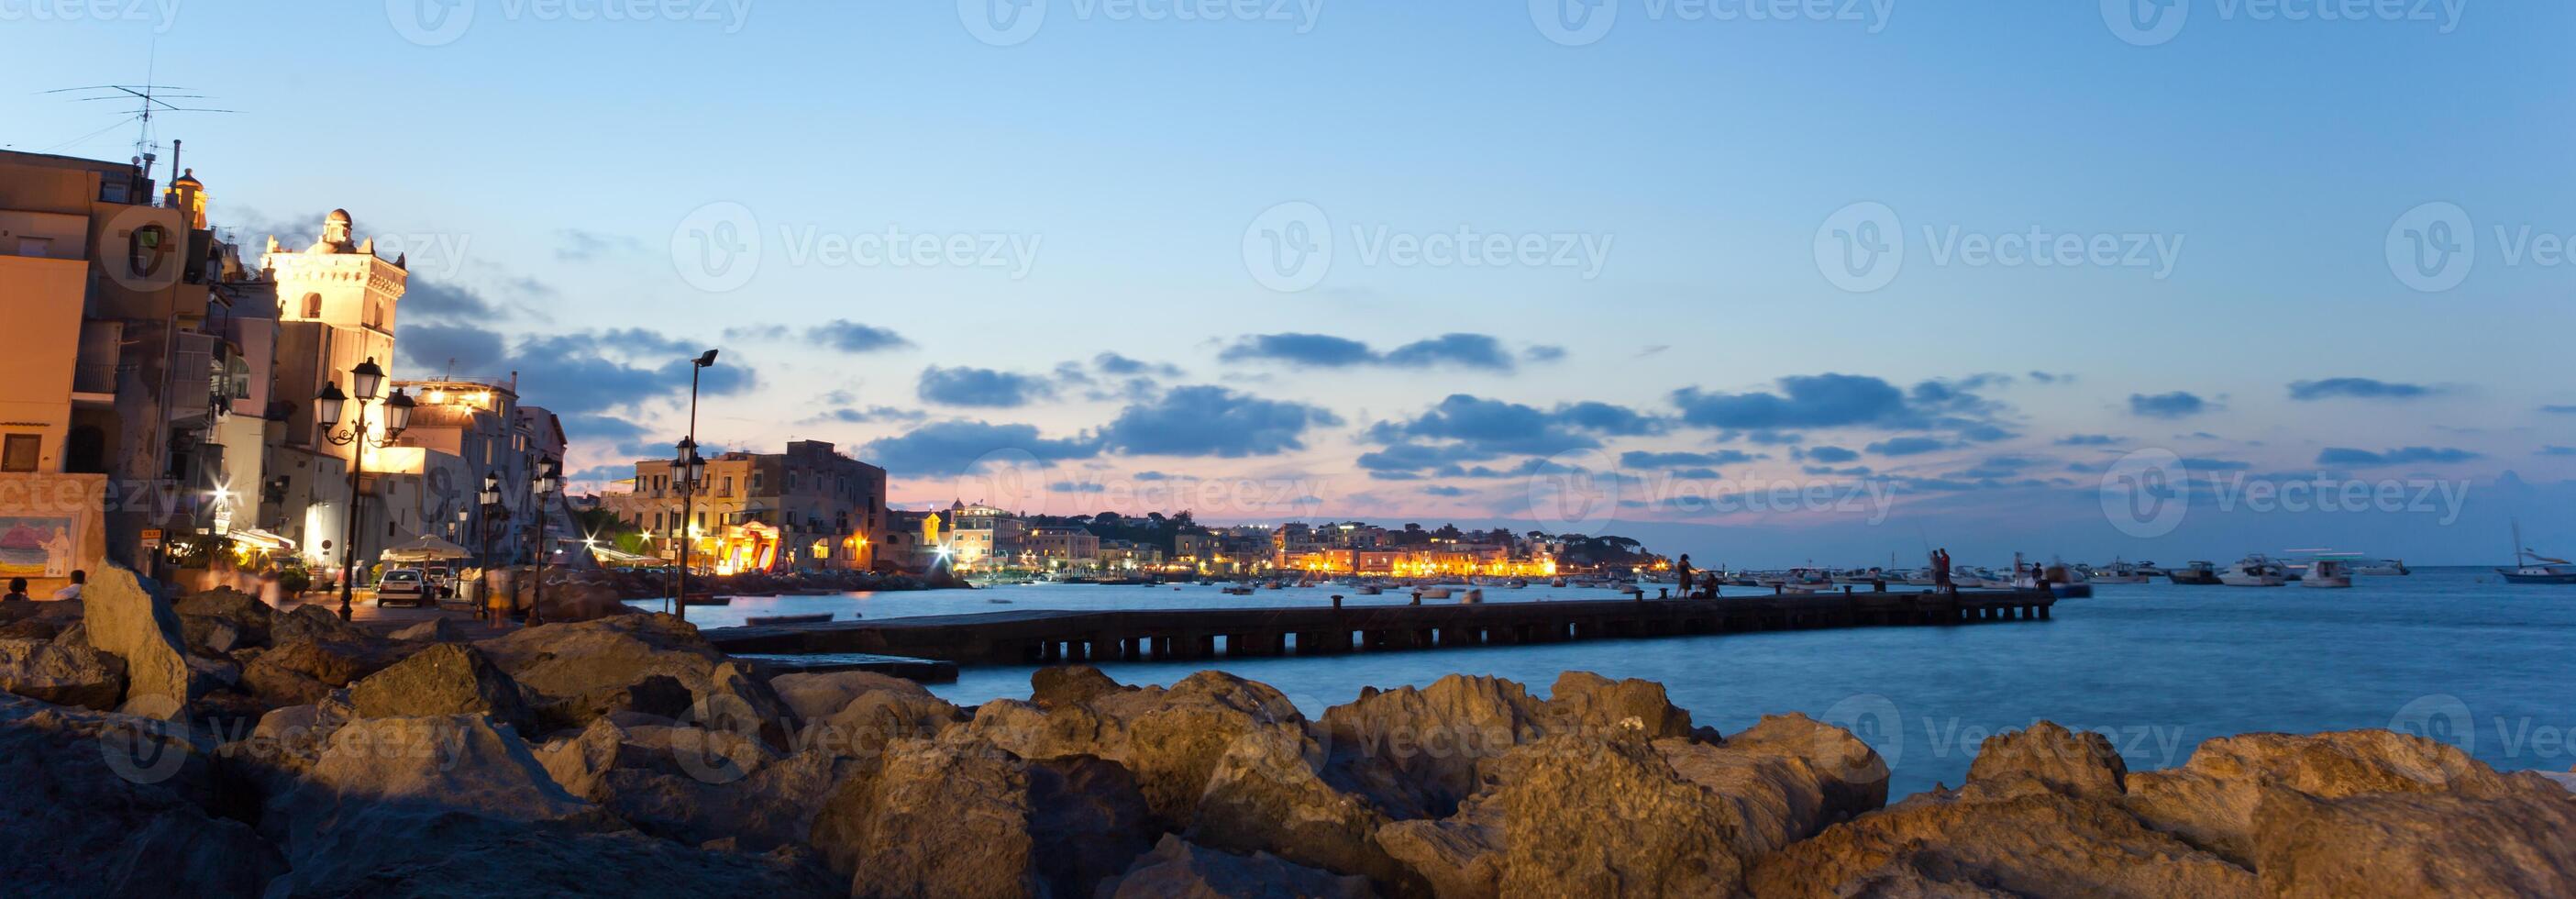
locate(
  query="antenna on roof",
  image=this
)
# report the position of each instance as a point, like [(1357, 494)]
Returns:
[(149, 100)]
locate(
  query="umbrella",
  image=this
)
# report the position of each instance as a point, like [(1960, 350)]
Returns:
[(424, 548)]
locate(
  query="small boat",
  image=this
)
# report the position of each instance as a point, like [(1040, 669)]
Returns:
[(2119, 572), (1556, 582), (1237, 590), (1516, 584), (2533, 568), (996, 600), (1432, 592), (1370, 590), (2255, 571), (2328, 573), (2197, 574), (2382, 568), (1474, 597), (765, 620)]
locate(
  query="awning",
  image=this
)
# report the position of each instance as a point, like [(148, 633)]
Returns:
[(262, 540), (424, 548)]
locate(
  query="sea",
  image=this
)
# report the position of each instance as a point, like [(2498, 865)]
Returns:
[(2450, 653)]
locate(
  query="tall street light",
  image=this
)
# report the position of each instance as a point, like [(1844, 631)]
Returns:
[(548, 480), (368, 382), (696, 468), (490, 501), (686, 469)]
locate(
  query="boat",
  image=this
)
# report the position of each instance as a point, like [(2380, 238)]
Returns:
[(1370, 589), (2197, 574), (1431, 592), (2255, 571), (2382, 568), (2328, 573), (765, 620), (2533, 568), (2119, 572), (1237, 590)]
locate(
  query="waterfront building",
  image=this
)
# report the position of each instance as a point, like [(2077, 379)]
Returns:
[(808, 507)]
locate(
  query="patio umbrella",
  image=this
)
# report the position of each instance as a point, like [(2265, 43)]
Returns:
[(424, 548)]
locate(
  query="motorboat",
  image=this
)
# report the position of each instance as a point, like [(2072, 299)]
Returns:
[(2328, 573), (2255, 571), (1432, 592), (2202, 574), (2382, 568), (2533, 568), (2119, 572), (1370, 589)]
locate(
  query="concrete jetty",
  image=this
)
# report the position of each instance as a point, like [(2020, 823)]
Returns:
[(1040, 636)]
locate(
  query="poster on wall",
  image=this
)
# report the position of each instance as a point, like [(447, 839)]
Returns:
[(37, 546)]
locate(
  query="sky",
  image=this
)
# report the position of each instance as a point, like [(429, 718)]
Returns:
[(1767, 282)]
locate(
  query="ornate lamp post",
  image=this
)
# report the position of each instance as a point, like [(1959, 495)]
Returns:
[(548, 480), (687, 469), (367, 380)]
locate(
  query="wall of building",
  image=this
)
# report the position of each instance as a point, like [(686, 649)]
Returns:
[(50, 526)]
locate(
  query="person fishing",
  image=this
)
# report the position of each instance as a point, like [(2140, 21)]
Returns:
[(1941, 572)]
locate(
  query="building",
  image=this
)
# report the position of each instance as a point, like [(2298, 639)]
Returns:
[(337, 306), (808, 507), (123, 367)]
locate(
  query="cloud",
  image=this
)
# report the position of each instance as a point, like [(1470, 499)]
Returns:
[(2412, 455), (982, 387), (2358, 388), (2559, 410), (1907, 446), (2177, 404), (1543, 353), (2558, 451), (1492, 427), (434, 301), (626, 437), (1641, 459), (871, 414), (2087, 440), (577, 245), (1459, 350), (427, 348), (1076, 487), (852, 337), (2202, 463), (1443, 490), (572, 373), (1114, 364), (1605, 418), (1831, 455), (1416, 456), (1207, 420), (956, 447), (1808, 401)]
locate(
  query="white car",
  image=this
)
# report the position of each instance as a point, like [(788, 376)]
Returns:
[(404, 587)]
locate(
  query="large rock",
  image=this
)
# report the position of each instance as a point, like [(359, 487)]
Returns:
[(124, 621), (570, 602), (1181, 869), (1416, 751), (103, 804), (584, 670), (62, 675), (1069, 685), (1583, 700), (1172, 739), (2211, 801), (2030, 841), (954, 817), (444, 679), (1269, 793), (853, 714), (2078, 764), (249, 620), (2416, 844), (695, 786), (301, 670), (317, 622), (1852, 774), (1584, 817), (436, 630)]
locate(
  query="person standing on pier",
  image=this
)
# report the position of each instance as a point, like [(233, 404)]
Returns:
[(1682, 570), (1941, 572)]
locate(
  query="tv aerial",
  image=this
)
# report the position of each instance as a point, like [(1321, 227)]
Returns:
[(149, 100)]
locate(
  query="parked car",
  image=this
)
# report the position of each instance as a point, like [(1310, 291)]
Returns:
[(403, 587)]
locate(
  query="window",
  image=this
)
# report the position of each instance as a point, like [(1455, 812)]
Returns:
[(147, 249), (312, 305), (19, 452)]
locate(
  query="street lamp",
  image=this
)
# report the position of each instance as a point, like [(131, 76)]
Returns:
[(489, 500), (369, 381), (548, 480), (688, 464), (686, 469)]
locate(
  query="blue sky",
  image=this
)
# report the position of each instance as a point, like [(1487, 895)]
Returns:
[(1116, 180)]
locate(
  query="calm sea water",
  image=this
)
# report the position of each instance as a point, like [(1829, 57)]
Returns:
[(2450, 653)]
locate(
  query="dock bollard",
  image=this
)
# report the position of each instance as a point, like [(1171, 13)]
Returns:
[(1660, 593), (1417, 597), (1337, 600)]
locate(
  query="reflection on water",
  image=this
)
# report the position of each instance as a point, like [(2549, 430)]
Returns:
[(2449, 653)]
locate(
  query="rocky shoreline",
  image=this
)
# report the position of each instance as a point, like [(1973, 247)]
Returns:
[(237, 750)]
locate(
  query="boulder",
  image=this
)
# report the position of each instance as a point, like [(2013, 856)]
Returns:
[(695, 786), (103, 804), (581, 671), (2416, 844), (301, 671), (954, 817), (1179, 868), (435, 630), (209, 636), (1459, 857), (1066, 685), (2024, 840), (249, 619), (1853, 776), (570, 602), (813, 696), (124, 621), (1268, 793), (1416, 750), (317, 622), (2211, 800), (444, 679), (2078, 764), (1591, 817), (1587, 701), (1172, 739), (62, 675)]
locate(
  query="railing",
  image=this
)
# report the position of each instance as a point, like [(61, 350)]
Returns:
[(94, 378)]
